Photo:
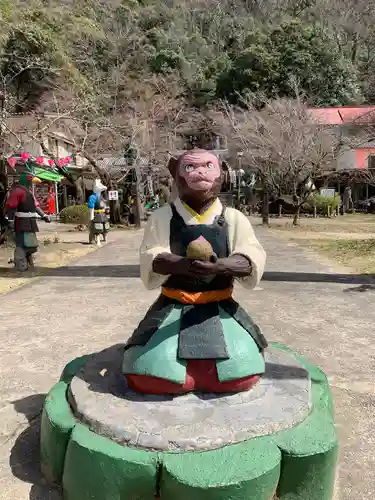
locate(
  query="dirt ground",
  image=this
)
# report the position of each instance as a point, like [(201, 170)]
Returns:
[(59, 244), (345, 242)]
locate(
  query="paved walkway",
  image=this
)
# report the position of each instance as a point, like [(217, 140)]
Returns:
[(96, 302)]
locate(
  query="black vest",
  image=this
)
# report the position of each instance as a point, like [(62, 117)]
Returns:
[(26, 224), (28, 205)]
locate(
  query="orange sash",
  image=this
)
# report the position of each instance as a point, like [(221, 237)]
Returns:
[(197, 297)]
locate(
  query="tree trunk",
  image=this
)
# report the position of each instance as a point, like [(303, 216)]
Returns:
[(80, 197), (102, 174), (114, 205), (138, 196), (266, 208), (115, 211), (355, 44), (297, 210), (3, 190)]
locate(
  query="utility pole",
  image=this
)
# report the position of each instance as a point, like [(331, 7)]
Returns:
[(133, 160), (239, 157), (138, 193)]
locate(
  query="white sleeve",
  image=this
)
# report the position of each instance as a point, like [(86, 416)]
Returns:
[(242, 240), (155, 241)]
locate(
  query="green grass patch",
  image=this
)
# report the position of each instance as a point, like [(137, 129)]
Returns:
[(353, 248), (358, 254), (349, 223)]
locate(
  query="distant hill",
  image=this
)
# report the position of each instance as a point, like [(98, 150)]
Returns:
[(202, 50)]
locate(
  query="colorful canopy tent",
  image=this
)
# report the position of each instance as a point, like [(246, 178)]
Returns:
[(47, 175)]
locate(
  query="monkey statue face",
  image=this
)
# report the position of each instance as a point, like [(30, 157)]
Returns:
[(198, 176)]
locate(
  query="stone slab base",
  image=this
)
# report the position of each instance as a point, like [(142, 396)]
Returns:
[(298, 462), (193, 422)]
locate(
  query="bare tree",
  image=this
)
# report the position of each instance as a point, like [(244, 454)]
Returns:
[(283, 145), (144, 127)]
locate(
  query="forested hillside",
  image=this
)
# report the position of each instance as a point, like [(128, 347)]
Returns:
[(139, 77), (201, 50)]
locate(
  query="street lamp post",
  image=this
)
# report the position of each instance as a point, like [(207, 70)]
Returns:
[(240, 171)]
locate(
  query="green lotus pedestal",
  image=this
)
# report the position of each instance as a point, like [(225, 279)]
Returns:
[(100, 441)]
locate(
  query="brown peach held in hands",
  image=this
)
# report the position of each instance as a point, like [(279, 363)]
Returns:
[(200, 249)]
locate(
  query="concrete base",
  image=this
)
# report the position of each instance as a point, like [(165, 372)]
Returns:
[(100, 399), (99, 448)]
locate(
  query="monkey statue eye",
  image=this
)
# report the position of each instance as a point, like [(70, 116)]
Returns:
[(210, 165), (189, 168)]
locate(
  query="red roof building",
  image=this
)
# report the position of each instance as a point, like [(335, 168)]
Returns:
[(362, 155), (360, 115)]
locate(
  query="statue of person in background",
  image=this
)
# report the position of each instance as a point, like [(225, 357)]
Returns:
[(21, 213), (99, 221)]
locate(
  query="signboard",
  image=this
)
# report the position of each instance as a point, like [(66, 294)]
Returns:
[(113, 195), (328, 193)]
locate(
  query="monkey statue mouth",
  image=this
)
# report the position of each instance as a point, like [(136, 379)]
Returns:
[(199, 183)]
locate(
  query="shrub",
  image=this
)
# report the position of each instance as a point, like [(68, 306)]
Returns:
[(322, 203), (78, 214)]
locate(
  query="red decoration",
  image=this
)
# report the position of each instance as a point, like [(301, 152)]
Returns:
[(51, 199), (25, 156), (61, 162), (45, 194), (40, 160), (51, 162), (68, 160), (12, 162)]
